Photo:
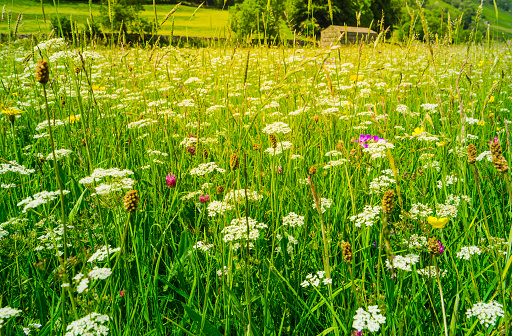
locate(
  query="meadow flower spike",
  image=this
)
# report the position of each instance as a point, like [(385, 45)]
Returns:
[(500, 163), (387, 202), (234, 161), (347, 251), (472, 153), (43, 72), (131, 201), (171, 180), (204, 198)]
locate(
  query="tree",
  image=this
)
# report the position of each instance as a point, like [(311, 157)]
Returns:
[(122, 15), (253, 16)]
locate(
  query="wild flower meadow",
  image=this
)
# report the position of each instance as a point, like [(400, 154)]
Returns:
[(357, 190)]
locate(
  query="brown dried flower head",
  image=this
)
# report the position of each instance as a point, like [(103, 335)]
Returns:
[(347, 251), (433, 246), (312, 170), (131, 201), (234, 161), (43, 72), (273, 140), (387, 201), (472, 154)]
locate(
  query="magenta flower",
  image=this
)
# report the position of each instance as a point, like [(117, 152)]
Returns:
[(204, 198), (495, 140), (364, 138), (441, 247), (171, 180)]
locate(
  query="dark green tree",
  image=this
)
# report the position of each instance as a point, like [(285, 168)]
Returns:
[(253, 16), (123, 15)]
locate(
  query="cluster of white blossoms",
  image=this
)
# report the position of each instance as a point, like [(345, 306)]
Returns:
[(6, 313), (429, 107), (467, 251), (59, 153), (55, 43), (291, 243), (450, 207), (218, 208), (314, 279), (238, 196), (223, 271), (431, 272), (242, 229), (200, 245), (102, 253), (370, 320), (155, 152), (485, 155), (116, 177), (42, 197), (419, 211), (487, 313), (280, 147), (416, 242), (325, 203), (14, 167), (367, 217), (293, 220), (276, 128), (53, 122), (141, 123), (206, 168), (378, 149), (90, 325), (380, 184), (404, 263), (99, 273), (447, 181), (334, 163)]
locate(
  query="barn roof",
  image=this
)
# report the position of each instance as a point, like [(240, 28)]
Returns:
[(363, 30)]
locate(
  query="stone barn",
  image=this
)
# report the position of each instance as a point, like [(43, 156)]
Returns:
[(331, 35)]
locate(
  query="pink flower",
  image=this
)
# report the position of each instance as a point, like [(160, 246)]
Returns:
[(171, 180), (204, 198), (441, 247), (122, 293)]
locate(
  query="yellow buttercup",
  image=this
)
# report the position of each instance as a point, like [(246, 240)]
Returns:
[(437, 223), (418, 130)]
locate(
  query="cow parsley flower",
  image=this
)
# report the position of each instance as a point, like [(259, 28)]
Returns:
[(206, 168), (370, 319), (102, 253), (6, 313), (487, 313), (90, 325), (325, 203), (467, 251), (276, 128), (378, 149), (218, 208), (367, 217), (99, 273), (242, 229), (40, 198), (404, 263), (293, 220), (238, 196), (315, 279)]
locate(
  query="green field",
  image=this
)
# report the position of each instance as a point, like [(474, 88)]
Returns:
[(207, 22)]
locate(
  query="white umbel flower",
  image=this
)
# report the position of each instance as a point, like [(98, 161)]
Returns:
[(487, 313), (276, 128), (370, 319), (90, 325), (467, 251), (6, 313)]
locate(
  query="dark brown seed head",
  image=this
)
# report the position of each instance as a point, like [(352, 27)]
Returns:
[(234, 161), (471, 154), (205, 153), (273, 140), (256, 147), (347, 251), (43, 72), (387, 201), (131, 201), (433, 246), (312, 170)]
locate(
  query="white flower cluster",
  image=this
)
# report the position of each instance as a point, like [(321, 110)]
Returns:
[(419, 211), (55, 43), (467, 251), (470, 121), (218, 208), (6, 313), (416, 242), (40, 198), (280, 147), (334, 163), (99, 273), (59, 153), (404, 263), (117, 182), (325, 203), (90, 325), (223, 271), (367, 217), (141, 123), (314, 279), (276, 128), (291, 243), (487, 313), (200, 245), (333, 153), (293, 220), (53, 122), (450, 207), (371, 319), (155, 152), (14, 167), (205, 168), (484, 155), (242, 229), (380, 184), (447, 181), (102, 253), (378, 149), (429, 107), (431, 272), (238, 196)]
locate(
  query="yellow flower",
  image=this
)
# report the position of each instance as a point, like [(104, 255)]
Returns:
[(355, 77), (418, 130), (11, 111), (491, 100), (481, 123), (96, 87), (437, 223), (440, 143), (73, 118)]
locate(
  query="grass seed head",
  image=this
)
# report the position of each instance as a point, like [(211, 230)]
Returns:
[(433, 246), (234, 161), (131, 201), (347, 251), (43, 72), (472, 154), (387, 201), (273, 140), (312, 170)]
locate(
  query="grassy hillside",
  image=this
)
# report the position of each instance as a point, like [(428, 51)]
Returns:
[(206, 22)]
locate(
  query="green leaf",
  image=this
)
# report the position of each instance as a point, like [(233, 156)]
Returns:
[(207, 328)]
